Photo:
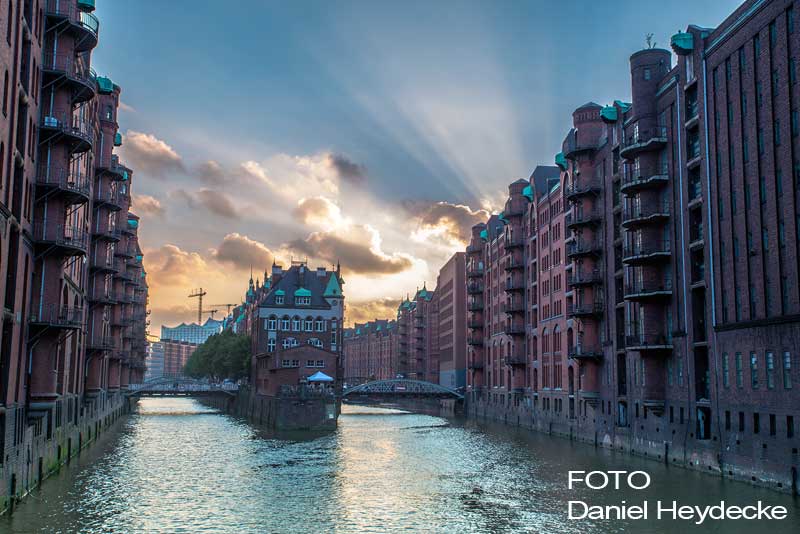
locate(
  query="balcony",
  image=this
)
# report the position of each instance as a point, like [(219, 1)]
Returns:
[(73, 187), (123, 297), (642, 213), (648, 343), (474, 324), (102, 262), (110, 198), (55, 316), (515, 329), (83, 24), (65, 240), (474, 249), (102, 296), (475, 272), (513, 242), (113, 167), (125, 250), (583, 218), (476, 365), (517, 359), (579, 188), (514, 307), (642, 141), (101, 343), (649, 251), (111, 234), (80, 77), (635, 182), (575, 147), (644, 290), (585, 278), (585, 309), (474, 287), (584, 247), (475, 340), (63, 125), (513, 264), (513, 286), (475, 305), (586, 352)]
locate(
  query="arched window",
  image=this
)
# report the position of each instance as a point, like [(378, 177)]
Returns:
[(309, 324), (289, 342), (272, 322), (315, 342), (320, 324), (285, 322), (296, 323), (556, 339)]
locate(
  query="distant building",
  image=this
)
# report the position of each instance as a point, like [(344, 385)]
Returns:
[(175, 356), (192, 332), (370, 352), (451, 296), (154, 361), (418, 327)]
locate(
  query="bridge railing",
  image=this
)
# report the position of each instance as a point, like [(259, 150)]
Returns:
[(182, 387)]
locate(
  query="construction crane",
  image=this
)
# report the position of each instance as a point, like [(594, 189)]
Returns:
[(212, 312), (199, 293), (228, 306)]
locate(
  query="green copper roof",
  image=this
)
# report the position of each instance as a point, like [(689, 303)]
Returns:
[(502, 217), (484, 235), (104, 85), (528, 192), (118, 139), (302, 292), (280, 292), (133, 223), (608, 114), (86, 5), (561, 161), (139, 257), (624, 106), (682, 43), (333, 289)]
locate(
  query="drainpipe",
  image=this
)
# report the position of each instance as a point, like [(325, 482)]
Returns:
[(713, 336), (683, 206)]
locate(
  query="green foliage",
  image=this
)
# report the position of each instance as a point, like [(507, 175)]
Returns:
[(223, 355)]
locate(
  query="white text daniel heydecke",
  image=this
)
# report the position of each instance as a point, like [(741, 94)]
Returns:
[(669, 510)]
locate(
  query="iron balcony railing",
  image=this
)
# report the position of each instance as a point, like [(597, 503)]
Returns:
[(57, 316), (515, 285), (515, 329), (475, 272), (61, 178), (582, 187), (645, 210), (475, 340), (72, 237), (514, 307), (585, 308), (583, 351), (639, 287), (67, 65), (68, 124), (646, 248), (513, 242), (517, 358), (581, 217), (513, 264), (474, 288), (643, 139), (584, 246), (580, 277), (68, 9), (102, 343)]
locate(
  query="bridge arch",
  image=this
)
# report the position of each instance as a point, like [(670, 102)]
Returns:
[(402, 386)]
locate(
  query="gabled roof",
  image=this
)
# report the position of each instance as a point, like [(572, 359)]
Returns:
[(301, 281), (542, 175)]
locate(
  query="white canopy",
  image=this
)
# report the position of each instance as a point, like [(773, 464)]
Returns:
[(319, 376)]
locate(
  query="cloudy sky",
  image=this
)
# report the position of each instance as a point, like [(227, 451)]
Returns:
[(373, 133)]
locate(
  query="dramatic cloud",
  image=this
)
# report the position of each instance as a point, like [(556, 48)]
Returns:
[(170, 266), (147, 206), (450, 221), (243, 253), (359, 252), (217, 202), (369, 310), (348, 170), (149, 155), (210, 172), (318, 211), (172, 316)]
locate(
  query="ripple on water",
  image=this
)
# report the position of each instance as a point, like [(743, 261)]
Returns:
[(179, 467)]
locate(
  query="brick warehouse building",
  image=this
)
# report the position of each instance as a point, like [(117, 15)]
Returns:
[(661, 263), (370, 352), (71, 274)]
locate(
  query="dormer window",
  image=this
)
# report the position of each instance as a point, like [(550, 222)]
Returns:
[(279, 299), (302, 301)]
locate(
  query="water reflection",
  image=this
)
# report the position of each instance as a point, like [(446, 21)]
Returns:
[(178, 466)]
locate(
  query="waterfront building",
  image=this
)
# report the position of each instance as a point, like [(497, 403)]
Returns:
[(192, 332), (71, 279), (370, 352), (661, 263), (451, 297), (174, 355), (295, 321), (418, 327), (154, 362)]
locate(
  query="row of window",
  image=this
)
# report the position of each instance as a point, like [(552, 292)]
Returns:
[(769, 364), (296, 324), (298, 301)]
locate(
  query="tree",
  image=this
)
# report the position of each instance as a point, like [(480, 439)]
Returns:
[(223, 355)]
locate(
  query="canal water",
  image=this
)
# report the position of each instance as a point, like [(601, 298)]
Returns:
[(179, 467)]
